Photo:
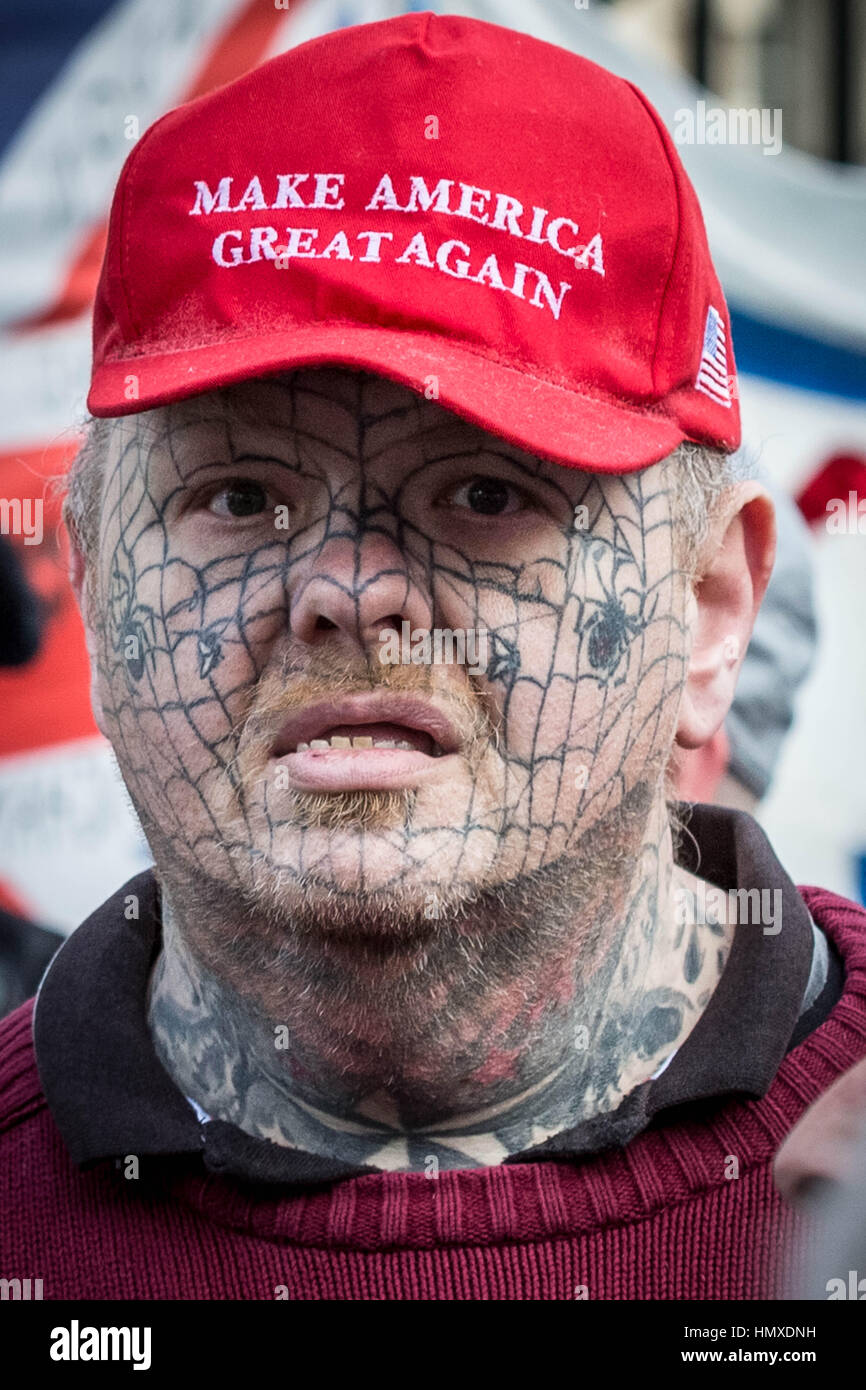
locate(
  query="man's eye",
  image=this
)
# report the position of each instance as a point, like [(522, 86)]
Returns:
[(240, 498), (488, 497)]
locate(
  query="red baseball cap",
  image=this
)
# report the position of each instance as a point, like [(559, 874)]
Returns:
[(491, 220)]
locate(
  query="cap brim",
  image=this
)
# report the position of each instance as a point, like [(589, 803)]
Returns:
[(546, 419)]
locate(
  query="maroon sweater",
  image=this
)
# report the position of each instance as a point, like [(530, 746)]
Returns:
[(661, 1219)]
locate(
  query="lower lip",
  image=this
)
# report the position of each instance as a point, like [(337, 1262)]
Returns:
[(358, 769)]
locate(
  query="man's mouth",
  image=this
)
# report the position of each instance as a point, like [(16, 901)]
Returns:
[(364, 741)]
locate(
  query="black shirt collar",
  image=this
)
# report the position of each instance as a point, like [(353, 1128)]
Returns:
[(111, 1097)]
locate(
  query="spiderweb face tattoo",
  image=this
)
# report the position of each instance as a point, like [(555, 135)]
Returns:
[(429, 923)]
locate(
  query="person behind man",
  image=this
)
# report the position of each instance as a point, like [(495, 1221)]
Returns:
[(408, 549)]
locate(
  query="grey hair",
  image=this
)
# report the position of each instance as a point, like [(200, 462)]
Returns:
[(702, 475), (82, 486)]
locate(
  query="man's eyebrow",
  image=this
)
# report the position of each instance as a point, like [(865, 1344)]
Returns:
[(546, 471), (238, 462), (487, 452), (215, 458)]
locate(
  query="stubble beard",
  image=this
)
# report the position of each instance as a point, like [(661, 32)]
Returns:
[(265, 921), (382, 952)]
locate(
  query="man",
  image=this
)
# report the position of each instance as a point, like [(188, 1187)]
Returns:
[(408, 553)]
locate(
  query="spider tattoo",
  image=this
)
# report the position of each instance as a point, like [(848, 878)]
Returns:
[(610, 628), (132, 626)]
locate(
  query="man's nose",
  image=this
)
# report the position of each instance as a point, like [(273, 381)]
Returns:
[(363, 588)]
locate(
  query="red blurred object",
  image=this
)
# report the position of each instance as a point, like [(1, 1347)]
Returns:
[(839, 476), (447, 264), (46, 701)]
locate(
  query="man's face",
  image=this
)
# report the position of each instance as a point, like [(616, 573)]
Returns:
[(261, 550)]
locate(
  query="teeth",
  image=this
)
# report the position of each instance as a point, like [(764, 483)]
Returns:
[(341, 741), (362, 741)]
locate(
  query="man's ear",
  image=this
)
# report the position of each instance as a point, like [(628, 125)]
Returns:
[(736, 563), (81, 589)]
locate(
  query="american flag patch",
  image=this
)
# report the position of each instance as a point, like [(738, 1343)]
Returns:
[(712, 376)]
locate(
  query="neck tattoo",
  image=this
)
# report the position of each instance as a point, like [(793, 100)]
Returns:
[(485, 1037)]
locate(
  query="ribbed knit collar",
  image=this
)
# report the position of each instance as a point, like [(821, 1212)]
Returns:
[(111, 1097)]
